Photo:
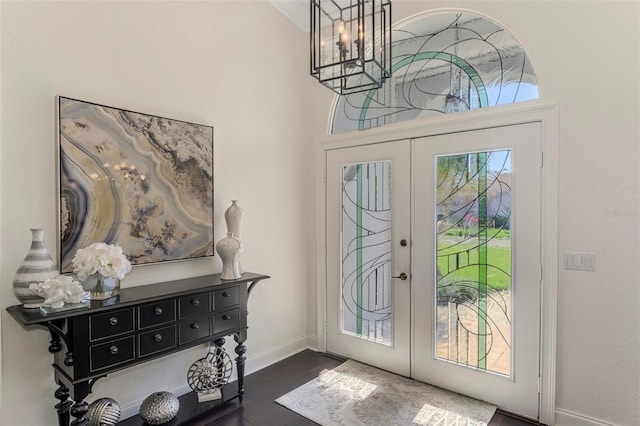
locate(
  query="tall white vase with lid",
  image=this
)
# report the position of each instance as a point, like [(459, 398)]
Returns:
[(233, 217)]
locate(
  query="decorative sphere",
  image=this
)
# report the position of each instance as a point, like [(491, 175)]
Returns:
[(159, 408), (103, 412)]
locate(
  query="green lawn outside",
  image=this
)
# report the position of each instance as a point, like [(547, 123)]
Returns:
[(498, 260), (498, 233)]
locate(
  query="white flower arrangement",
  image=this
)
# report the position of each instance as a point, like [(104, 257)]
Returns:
[(100, 258), (58, 291)]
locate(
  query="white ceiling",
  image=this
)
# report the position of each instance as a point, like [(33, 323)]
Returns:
[(296, 10)]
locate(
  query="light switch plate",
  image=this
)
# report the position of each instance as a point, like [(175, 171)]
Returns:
[(579, 261)]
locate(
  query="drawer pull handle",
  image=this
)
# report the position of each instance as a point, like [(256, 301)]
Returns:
[(158, 337), (158, 310), (195, 302), (226, 317), (226, 294), (113, 350), (195, 326), (113, 321)]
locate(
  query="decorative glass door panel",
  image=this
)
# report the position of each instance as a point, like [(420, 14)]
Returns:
[(366, 251), (476, 265), (473, 260), (368, 217)]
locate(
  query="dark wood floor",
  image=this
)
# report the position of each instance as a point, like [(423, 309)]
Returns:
[(265, 386)]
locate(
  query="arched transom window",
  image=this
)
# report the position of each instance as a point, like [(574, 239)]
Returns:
[(442, 63)]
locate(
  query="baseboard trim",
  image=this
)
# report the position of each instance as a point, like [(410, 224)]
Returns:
[(272, 355), (568, 418), (254, 362)]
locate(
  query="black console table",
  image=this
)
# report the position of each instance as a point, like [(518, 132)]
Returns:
[(141, 324)]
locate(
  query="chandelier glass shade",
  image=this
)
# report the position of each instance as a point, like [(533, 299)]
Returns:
[(351, 44)]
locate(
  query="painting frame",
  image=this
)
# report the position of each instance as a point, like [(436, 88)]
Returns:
[(139, 181)]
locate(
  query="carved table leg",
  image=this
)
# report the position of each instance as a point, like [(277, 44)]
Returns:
[(54, 344), (240, 351), (78, 410), (219, 342), (63, 407)]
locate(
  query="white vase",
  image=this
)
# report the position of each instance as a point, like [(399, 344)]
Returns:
[(36, 267), (233, 215), (229, 249)]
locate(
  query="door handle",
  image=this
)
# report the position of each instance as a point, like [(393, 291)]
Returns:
[(402, 276)]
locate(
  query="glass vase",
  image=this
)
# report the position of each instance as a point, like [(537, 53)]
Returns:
[(36, 267), (100, 287)]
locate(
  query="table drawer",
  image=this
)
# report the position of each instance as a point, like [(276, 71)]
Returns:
[(112, 353), (226, 321), (194, 305), (156, 341), (226, 298), (110, 324), (194, 329), (157, 313)]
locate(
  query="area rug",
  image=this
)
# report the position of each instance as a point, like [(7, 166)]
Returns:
[(355, 394)]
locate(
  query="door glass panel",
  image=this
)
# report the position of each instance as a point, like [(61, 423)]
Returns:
[(473, 258), (366, 251)]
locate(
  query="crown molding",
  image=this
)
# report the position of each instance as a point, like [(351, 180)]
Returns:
[(297, 11)]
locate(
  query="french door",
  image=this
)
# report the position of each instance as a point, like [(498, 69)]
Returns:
[(458, 217), (476, 256), (368, 212)]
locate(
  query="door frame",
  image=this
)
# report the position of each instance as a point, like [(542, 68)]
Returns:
[(533, 111)]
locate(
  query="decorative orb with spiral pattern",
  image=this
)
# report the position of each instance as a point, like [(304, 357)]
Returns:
[(103, 412), (159, 408), (210, 373)]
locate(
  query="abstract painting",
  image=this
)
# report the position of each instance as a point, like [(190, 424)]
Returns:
[(142, 182)]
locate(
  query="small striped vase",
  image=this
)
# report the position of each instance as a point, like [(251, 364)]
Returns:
[(36, 267)]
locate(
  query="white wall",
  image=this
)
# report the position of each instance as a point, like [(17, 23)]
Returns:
[(201, 62), (233, 65), (586, 56)]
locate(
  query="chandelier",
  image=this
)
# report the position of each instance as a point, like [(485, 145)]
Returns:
[(459, 96), (351, 44)]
